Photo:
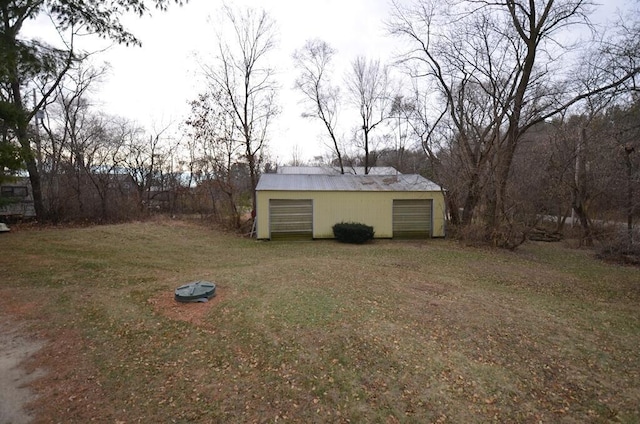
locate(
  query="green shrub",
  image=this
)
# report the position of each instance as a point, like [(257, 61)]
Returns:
[(349, 232)]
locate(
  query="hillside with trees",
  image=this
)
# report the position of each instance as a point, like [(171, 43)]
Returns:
[(526, 113)]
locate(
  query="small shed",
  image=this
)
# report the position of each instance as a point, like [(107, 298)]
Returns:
[(306, 206)]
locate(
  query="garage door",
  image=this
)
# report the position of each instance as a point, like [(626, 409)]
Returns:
[(290, 219), (412, 218)]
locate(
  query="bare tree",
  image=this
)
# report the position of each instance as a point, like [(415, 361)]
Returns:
[(421, 124), (498, 70), (143, 155), (215, 152), (296, 156), (241, 73), (90, 166), (27, 63), (103, 158), (313, 61), (80, 155), (368, 85), (65, 125), (626, 134)]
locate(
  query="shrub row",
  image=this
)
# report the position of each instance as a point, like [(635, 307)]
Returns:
[(349, 232)]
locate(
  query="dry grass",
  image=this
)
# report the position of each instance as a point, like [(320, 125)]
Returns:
[(321, 331)]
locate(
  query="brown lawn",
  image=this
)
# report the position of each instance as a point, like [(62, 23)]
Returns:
[(389, 332)]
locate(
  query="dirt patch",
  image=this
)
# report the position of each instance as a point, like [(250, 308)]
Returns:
[(165, 304), (15, 349), (32, 368)]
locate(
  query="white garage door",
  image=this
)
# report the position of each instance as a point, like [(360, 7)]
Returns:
[(412, 218), (290, 219)]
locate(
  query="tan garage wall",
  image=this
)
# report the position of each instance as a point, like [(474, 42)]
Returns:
[(374, 208)]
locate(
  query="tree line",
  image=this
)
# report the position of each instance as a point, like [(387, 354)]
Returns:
[(523, 111)]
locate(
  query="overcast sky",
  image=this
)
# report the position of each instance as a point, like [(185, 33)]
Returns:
[(153, 83)]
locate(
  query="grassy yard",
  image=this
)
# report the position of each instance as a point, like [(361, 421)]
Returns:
[(387, 332)]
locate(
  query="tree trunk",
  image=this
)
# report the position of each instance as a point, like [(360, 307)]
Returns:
[(36, 187), (253, 176), (22, 134), (504, 161), (586, 237), (472, 199), (580, 191), (340, 162), (454, 213), (366, 151), (628, 151)]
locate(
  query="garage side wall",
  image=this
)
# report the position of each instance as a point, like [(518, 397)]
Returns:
[(366, 207)]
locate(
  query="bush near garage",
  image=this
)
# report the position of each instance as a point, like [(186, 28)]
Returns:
[(350, 232)]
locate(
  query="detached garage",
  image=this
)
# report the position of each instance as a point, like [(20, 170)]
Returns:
[(306, 206)]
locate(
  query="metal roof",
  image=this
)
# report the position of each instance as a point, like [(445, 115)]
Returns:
[(339, 182), (330, 170)]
